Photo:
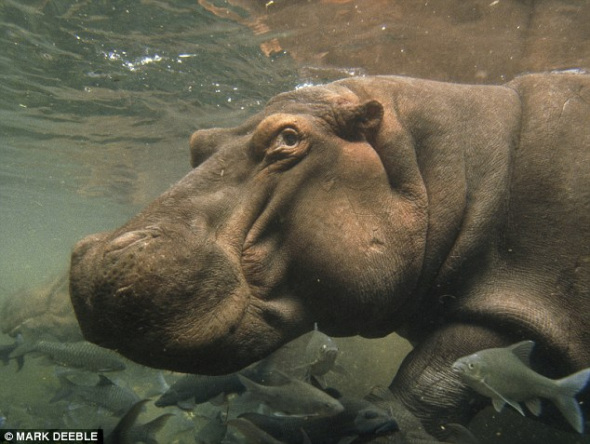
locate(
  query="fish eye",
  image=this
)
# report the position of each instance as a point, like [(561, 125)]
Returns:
[(471, 366), (288, 137)]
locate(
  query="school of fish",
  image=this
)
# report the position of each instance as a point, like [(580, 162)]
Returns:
[(283, 399)]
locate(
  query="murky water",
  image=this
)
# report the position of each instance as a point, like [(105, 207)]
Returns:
[(97, 101)]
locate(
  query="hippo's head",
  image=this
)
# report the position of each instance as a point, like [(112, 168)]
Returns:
[(311, 211)]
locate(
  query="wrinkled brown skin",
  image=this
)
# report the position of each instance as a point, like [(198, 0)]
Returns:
[(457, 215)]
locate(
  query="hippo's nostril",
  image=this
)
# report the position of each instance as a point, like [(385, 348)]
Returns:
[(82, 247), (129, 238)]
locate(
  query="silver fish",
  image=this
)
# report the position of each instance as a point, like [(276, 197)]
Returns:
[(294, 397), (504, 374), (252, 433), (82, 355), (196, 389), (105, 394), (320, 353), (360, 421)]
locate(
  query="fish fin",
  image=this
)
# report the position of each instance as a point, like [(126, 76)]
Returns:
[(348, 439), (187, 404), (565, 401), (522, 350), (498, 404), (103, 381), (516, 407), (499, 400), (570, 409), (250, 385), (534, 405), (573, 384)]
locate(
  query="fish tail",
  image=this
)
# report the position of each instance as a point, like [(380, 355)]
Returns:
[(565, 400), (250, 385), (23, 349)]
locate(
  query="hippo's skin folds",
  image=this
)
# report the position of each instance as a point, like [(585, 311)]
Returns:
[(456, 215)]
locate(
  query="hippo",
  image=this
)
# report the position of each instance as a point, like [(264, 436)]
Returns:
[(455, 215)]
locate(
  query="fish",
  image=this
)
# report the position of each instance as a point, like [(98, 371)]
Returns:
[(81, 355), (360, 420), (127, 431), (293, 397), (505, 376), (320, 354), (7, 349), (252, 433), (105, 393), (196, 389)]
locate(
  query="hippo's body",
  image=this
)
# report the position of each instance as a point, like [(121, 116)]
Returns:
[(457, 215)]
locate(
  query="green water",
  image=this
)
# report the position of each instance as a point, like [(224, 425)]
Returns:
[(97, 101)]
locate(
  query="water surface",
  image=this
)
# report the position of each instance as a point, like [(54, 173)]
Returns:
[(98, 101)]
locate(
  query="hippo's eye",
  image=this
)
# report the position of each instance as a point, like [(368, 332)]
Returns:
[(289, 137), (283, 147)]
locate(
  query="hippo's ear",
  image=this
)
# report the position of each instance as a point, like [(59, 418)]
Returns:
[(359, 121), (203, 144)]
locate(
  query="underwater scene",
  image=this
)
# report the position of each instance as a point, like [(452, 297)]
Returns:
[(100, 106)]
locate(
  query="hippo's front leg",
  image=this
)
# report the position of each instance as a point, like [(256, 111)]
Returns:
[(425, 386)]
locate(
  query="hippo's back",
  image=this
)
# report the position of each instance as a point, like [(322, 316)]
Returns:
[(544, 243)]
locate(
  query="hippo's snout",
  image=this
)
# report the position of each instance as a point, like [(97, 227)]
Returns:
[(117, 244), (84, 245), (126, 284)]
